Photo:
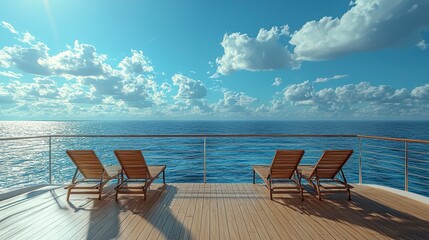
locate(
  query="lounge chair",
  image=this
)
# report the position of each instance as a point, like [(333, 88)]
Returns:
[(95, 175), (326, 170), (283, 168), (136, 170)]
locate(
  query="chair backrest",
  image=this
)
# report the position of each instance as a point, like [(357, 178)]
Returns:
[(87, 163), (133, 163), (285, 163), (330, 163)]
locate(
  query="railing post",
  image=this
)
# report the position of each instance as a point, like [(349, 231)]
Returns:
[(50, 160), (406, 166), (360, 160), (205, 166)]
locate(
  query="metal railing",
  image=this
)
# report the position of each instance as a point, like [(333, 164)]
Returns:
[(395, 162)]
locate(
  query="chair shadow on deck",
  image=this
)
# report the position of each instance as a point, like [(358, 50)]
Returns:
[(133, 217), (371, 216)]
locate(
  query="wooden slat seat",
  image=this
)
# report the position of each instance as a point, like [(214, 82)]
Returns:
[(327, 168), (135, 170), (283, 168), (95, 175)]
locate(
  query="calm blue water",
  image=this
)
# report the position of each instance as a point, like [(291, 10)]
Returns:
[(25, 162)]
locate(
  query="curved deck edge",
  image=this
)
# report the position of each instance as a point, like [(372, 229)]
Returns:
[(13, 193), (411, 195)]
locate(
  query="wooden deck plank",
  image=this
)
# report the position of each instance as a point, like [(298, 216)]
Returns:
[(230, 220), (205, 217), (213, 211), (190, 212), (148, 216), (236, 212), (214, 230), (263, 219), (248, 215), (180, 213), (196, 223), (139, 216)]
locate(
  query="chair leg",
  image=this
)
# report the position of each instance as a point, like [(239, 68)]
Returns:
[(145, 192), (318, 189), (68, 194), (347, 185), (100, 189), (300, 188), (253, 176), (163, 176), (270, 189), (349, 193)]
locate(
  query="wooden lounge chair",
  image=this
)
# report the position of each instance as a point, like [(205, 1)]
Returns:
[(136, 170), (95, 175), (283, 168), (326, 170)]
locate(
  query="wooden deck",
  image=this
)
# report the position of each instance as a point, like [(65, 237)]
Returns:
[(213, 211)]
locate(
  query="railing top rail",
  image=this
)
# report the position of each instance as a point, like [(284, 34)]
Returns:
[(185, 136), (219, 136), (395, 139)]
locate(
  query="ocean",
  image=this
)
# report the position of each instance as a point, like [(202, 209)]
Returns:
[(227, 159)]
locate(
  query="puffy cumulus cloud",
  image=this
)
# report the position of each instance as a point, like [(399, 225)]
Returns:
[(32, 91), (368, 25), (43, 87), (81, 60), (234, 102), (277, 81), (27, 38), (26, 58), (299, 92), (265, 52), (421, 92), (189, 107), (322, 80), (189, 88), (136, 63), (82, 76), (353, 100)]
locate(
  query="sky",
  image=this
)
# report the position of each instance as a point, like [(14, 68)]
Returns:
[(225, 59)]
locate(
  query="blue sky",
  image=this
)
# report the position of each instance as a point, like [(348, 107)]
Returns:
[(364, 59)]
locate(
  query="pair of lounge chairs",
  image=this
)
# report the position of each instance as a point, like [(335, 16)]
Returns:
[(285, 168), (132, 169)]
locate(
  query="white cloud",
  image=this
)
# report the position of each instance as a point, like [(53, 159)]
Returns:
[(10, 74), (277, 81), (321, 80), (27, 38), (82, 60), (353, 100), (422, 45), (27, 59), (234, 102), (421, 92), (368, 25), (9, 27), (265, 52), (136, 64), (299, 92), (188, 87)]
